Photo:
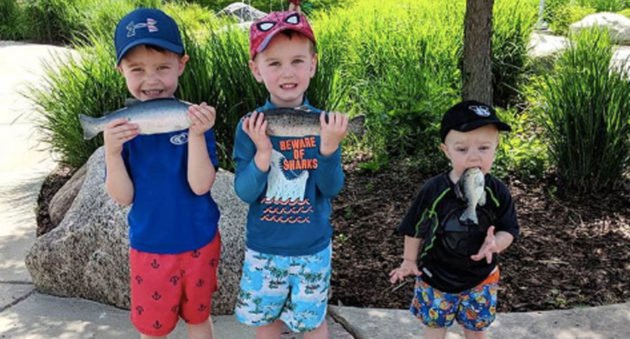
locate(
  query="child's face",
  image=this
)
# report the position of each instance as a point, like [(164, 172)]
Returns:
[(152, 74), (286, 67), (475, 148)]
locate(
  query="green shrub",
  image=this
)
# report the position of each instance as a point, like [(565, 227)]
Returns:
[(11, 26), (568, 14), (513, 23), (625, 12), (522, 152), (605, 5), (308, 6), (586, 113)]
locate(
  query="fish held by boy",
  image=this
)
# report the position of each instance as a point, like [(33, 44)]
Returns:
[(152, 116), (300, 121), (471, 188)]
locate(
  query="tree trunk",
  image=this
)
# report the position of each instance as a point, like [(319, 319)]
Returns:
[(477, 72)]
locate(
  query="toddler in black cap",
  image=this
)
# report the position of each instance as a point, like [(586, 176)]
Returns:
[(455, 263)]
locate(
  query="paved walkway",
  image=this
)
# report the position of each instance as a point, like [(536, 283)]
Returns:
[(25, 313)]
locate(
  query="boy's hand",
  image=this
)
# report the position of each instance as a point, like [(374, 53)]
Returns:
[(255, 126), (202, 118), (488, 248), (116, 133), (407, 267), (332, 132)]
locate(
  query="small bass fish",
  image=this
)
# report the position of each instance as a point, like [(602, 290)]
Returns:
[(471, 188), (300, 121), (152, 116)]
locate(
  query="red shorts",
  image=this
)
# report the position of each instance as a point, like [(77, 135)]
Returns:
[(167, 286)]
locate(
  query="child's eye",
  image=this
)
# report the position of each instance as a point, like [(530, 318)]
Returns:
[(162, 68), (136, 69), (274, 64), (298, 61), (460, 150)]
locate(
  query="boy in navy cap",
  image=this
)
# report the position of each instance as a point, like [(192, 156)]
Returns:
[(167, 177), (458, 273), (289, 183)]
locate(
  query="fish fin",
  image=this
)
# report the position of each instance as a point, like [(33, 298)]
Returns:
[(469, 217), (356, 125), (90, 126), (482, 199), (131, 101)]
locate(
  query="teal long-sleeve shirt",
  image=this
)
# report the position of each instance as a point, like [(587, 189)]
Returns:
[(289, 205)]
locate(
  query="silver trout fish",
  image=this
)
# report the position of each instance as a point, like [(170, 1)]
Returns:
[(300, 121), (471, 188), (152, 116)]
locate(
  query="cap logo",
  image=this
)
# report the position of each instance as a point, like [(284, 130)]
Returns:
[(149, 25), (481, 111), (265, 26)]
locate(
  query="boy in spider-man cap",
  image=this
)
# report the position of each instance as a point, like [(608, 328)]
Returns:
[(288, 183)]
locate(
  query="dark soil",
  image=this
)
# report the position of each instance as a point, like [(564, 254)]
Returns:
[(573, 251)]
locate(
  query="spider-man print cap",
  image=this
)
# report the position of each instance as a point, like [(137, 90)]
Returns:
[(147, 26), (264, 29)]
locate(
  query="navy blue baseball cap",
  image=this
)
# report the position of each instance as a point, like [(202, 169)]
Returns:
[(469, 115), (147, 26)]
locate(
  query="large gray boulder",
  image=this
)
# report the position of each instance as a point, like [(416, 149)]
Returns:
[(618, 25), (62, 200), (87, 255)]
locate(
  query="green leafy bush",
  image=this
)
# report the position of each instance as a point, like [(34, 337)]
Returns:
[(11, 26), (586, 113), (568, 14)]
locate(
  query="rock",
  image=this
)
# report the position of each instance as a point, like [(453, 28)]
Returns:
[(87, 255), (64, 197), (617, 24), (543, 45), (242, 11)]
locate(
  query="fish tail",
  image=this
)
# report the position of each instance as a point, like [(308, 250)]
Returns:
[(356, 125), (469, 216), (90, 125)]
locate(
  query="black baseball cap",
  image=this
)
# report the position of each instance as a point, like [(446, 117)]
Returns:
[(469, 115)]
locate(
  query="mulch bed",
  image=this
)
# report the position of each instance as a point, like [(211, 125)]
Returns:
[(573, 251)]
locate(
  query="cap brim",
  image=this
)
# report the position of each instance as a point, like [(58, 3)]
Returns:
[(169, 46), (501, 126)]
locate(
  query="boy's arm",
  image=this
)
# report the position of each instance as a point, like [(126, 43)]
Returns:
[(329, 176), (201, 171), (409, 263), (118, 184), (249, 180)]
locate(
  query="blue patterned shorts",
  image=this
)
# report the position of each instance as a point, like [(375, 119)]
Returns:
[(475, 308), (293, 289)]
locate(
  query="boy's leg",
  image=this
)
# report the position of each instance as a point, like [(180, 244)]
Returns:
[(263, 291), (434, 333), (199, 280), (309, 278), (270, 331), (477, 308), (434, 308), (152, 296), (321, 332), (200, 331), (474, 334)]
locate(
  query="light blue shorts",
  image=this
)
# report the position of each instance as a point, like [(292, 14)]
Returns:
[(293, 289)]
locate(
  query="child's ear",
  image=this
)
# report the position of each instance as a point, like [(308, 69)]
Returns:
[(313, 65), (182, 63), (255, 71), (445, 150)]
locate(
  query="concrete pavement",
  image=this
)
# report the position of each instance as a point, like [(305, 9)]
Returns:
[(25, 313)]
